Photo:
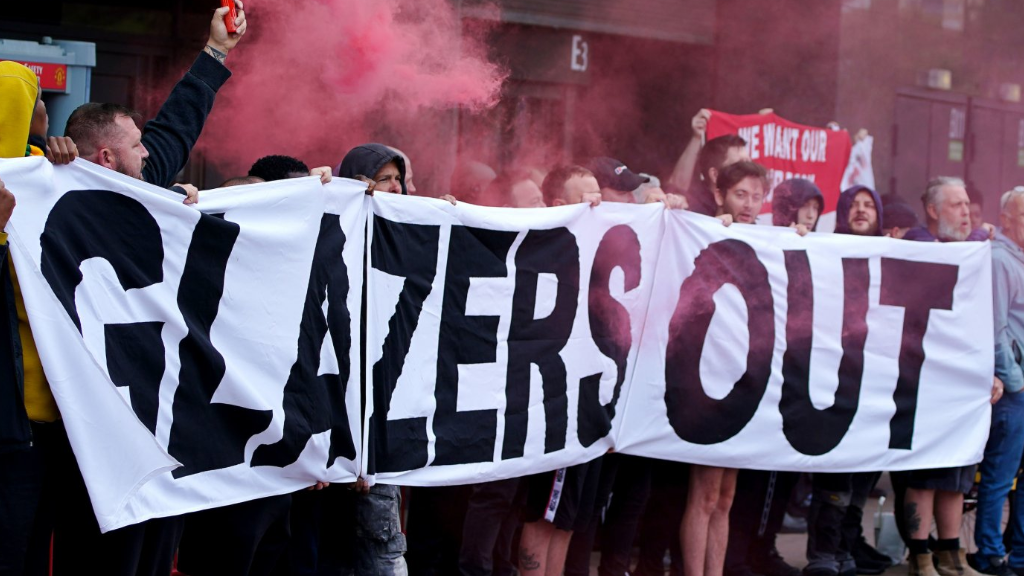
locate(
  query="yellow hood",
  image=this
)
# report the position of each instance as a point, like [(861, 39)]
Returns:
[(19, 89)]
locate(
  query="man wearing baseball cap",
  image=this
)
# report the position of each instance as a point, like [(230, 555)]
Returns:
[(618, 184), (617, 181)]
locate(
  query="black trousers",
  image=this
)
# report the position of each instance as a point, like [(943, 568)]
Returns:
[(246, 539), (492, 517), (659, 526), (756, 517), (145, 549), (21, 474), (623, 492), (434, 529), (837, 510)]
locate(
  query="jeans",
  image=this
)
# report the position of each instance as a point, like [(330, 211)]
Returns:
[(1002, 458), (360, 534)]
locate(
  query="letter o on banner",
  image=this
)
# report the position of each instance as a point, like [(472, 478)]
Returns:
[(696, 417)]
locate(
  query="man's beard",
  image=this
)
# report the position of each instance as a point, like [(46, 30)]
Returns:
[(951, 233)]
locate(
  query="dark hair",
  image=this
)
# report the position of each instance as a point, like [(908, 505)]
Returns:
[(278, 167), (499, 191), (241, 181), (553, 186), (90, 123), (899, 214), (733, 174), (713, 154), (976, 197)]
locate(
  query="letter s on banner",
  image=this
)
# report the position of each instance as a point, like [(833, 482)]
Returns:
[(610, 328)]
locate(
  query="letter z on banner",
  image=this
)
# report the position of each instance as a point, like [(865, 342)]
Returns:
[(199, 357), (770, 351), (500, 341)]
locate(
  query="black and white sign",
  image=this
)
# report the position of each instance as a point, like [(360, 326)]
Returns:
[(211, 356)]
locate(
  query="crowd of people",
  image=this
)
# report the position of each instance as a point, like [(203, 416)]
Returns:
[(710, 521)]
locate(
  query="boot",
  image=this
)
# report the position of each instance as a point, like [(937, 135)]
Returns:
[(922, 565), (954, 563)]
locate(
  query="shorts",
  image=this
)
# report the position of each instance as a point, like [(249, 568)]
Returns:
[(959, 479), (566, 497)]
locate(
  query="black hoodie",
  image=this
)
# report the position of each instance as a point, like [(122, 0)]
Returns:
[(843, 209), (367, 160), (790, 196)]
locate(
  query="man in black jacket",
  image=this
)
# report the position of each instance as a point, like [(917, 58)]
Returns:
[(106, 134), (110, 138)]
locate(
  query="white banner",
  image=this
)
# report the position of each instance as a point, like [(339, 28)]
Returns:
[(187, 349), (206, 357), (516, 335), (768, 350)]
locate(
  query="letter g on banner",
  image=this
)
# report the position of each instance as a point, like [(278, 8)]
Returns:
[(695, 416)]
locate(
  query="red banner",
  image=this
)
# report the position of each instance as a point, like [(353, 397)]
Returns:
[(789, 150), (51, 76)]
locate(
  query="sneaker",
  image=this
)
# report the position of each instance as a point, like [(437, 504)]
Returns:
[(793, 525), (994, 565), (848, 568)]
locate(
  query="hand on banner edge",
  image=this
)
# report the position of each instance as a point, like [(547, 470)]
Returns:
[(676, 202), (726, 219), (990, 229), (360, 485), (61, 150), (324, 172), (997, 389), (7, 204), (371, 185), (191, 193)]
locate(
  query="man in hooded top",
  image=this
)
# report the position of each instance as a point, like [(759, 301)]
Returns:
[(20, 469), (859, 212), (377, 162), (360, 533), (837, 500), (1006, 439), (26, 404)]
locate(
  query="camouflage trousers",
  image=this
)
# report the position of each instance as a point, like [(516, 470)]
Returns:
[(379, 545)]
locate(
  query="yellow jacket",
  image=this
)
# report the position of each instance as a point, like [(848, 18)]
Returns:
[(19, 88)]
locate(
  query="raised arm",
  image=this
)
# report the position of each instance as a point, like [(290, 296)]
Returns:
[(170, 136), (682, 174)]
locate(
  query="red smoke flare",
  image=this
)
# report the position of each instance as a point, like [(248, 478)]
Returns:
[(316, 77)]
